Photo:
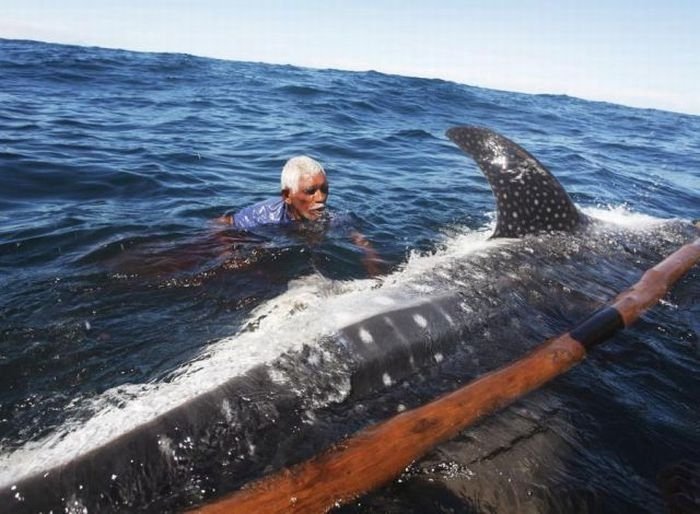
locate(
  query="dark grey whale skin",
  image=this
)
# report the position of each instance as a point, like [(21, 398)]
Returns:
[(255, 423)]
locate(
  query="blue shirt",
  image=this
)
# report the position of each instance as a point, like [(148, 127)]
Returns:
[(268, 212)]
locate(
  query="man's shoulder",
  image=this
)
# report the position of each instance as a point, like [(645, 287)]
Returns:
[(265, 212), (270, 203)]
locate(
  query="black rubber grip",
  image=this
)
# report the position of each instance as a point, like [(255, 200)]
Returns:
[(598, 327)]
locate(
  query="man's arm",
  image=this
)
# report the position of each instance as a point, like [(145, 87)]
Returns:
[(226, 219), (371, 259)]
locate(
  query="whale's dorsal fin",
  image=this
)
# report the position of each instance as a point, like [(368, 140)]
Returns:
[(528, 198)]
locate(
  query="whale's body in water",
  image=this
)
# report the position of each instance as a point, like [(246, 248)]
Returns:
[(373, 349)]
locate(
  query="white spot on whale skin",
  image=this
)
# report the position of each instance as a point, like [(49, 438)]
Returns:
[(439, 357), (309, 417), (226, 410), (449, 319), (74, 506), (386, 378), (165, 445), (420, 320), (365, 336)]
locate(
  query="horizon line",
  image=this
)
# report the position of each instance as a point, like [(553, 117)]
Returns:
[(495, 88)]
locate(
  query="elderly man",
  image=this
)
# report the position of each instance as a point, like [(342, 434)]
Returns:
[(304, 194)]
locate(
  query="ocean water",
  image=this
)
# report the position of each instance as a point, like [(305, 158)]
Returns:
[(120, 294)]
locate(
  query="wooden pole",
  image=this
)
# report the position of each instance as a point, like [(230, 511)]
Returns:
[(375, 455)]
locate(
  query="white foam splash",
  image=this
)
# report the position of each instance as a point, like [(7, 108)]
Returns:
[(622, 216)]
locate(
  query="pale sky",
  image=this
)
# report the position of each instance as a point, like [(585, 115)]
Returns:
[(640, 53)]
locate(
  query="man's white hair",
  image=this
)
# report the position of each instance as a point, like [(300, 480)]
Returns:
[(296, 168)]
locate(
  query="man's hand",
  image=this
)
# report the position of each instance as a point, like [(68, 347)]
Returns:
[(371, 259), (226, 219)]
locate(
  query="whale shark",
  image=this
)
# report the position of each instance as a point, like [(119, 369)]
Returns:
[(375, 348)]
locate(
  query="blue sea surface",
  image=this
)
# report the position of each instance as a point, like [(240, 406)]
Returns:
[(113, 272)]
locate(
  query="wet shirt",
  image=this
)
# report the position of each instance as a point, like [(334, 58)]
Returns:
[(268, 212), (274, 212)]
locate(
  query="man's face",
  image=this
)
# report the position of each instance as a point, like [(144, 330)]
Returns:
[(309, 200)]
